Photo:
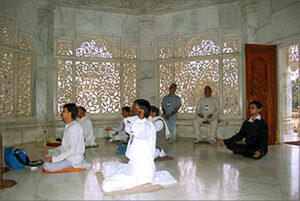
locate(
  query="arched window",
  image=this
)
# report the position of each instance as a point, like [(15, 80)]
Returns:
[(197, 61), (95, 73)]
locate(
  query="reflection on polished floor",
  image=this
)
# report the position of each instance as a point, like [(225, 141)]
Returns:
[(204, 172)]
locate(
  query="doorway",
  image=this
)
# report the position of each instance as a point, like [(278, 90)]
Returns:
[(261, 83), (289, 61)]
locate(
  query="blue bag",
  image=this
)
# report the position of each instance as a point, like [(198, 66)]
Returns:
[(16, 158), (121, 149)]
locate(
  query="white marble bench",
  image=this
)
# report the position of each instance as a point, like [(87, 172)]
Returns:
[(184, 128)]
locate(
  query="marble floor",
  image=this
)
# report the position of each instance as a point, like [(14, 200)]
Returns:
[(291, 138), (204, 172)]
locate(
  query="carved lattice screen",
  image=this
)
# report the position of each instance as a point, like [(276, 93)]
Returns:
[(95, 75), (15, 70), (198, 61)]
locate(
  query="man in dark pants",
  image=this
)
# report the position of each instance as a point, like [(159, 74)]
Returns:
[(255, 130)]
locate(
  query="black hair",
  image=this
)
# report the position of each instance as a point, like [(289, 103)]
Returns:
[(154, 109), (72, 108), (257, 103), (175, 85), (82, 108), (208, 87), (126, 108), (144, 105)]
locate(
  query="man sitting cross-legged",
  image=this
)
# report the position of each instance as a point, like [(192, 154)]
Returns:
[(70, 153), (255, 132), (162, 132), (119, 134), (87, 126)]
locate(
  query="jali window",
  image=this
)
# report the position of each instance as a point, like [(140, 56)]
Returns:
[(193, 62), (16, 64), (96, 73)]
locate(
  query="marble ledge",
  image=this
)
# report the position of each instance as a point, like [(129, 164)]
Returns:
[(19, 123)]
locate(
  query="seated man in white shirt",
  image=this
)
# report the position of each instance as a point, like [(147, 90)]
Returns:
[(207, 112), (162, 132), (87, 126), (70, 153), (119, 134)]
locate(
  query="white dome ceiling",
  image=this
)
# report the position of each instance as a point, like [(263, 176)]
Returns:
[(138, 7)]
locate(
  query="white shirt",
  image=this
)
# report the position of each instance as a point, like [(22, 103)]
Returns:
[(207, 106), (257, 117), (88, 132), (121, 127), (142, 137), (72, 147), (159, 125)]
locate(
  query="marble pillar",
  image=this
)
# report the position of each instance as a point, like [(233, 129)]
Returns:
[(45, 66), (286, 90), (249, 21), (147, 67)]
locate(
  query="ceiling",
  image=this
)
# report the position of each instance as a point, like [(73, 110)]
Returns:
[(138, 7)]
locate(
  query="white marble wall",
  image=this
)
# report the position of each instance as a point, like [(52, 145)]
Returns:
[(277, 20), (24, 13), (68, 22), (261, 21)]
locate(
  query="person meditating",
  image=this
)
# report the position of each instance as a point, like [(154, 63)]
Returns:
[(87, 126), (70, 153), (119, 134), (255, 132), (140, 170), (162, 132)]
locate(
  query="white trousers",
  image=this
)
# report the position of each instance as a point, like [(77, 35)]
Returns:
[(61, 165), (212, 132)]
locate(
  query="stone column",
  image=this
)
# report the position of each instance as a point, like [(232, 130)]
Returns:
[(288, 127), (249, 21), (45, 67), (146, 69), (248, 35)]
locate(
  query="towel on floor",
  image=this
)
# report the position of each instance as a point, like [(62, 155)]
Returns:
[(165, 158), (53, 144), (137, 189), (68, 170)]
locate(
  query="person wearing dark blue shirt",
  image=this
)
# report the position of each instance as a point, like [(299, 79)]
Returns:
[(170, 106)]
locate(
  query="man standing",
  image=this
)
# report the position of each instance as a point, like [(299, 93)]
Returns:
[(255, 132), (170, 106), (207, 112), (87, 126), (70, 153)]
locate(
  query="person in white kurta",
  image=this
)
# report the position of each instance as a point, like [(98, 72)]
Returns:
[(207, 112), (140, 152), (87, 126), (70, 153), (119, 134)]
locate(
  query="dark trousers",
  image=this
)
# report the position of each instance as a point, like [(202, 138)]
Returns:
[(243, 149)]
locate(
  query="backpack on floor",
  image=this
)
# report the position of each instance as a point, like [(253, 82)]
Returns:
[(121, 149), (17, 158)]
